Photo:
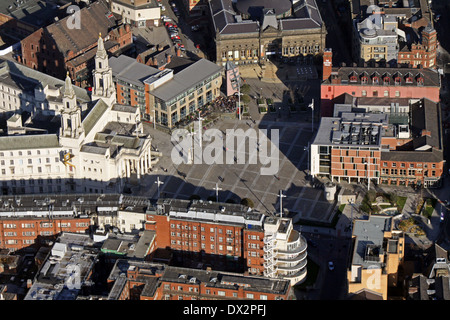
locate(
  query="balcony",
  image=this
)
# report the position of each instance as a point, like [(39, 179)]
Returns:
[(296, 259), (296, 278), (291, 269), (296, 244)]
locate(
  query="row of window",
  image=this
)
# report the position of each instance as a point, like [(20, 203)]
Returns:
[(218, 292), (29, 161), (402, 172), (202, 245), (29, 153), (411, 165), (202, 229), (203, 237)]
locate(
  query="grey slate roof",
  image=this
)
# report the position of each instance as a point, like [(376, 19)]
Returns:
[(185, 79), (94, 115), (369, 232), (425, 115), (129, 70), (35, 12), (28, 79), (431, 77), (40, 141)]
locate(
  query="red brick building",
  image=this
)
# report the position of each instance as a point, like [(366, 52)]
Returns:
[(20, 232), (228, 237), (150, 281), (61, 47), (375, 82), (390, 141), (231, 244), (422, 49)]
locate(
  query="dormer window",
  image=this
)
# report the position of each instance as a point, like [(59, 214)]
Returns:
[(409, 79), (353, 77), (420, 79), (397, 80), (375, 80), (386, 80), (364, 79)]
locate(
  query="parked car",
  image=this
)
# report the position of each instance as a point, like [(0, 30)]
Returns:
[(166, 19), (330, 265)]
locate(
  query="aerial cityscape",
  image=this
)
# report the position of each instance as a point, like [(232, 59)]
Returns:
[(224, 150)]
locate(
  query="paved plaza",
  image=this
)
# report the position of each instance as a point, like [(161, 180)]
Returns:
[(238, 181)]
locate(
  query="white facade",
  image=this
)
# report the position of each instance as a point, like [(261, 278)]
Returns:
[(89, 154), (138, 14), (25, 89), (284, 251)]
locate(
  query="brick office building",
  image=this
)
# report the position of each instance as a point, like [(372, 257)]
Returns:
[(383, 82), (229, 237), (395, 141), (421, 52), (62, 47), (165, 95), (152, 281)]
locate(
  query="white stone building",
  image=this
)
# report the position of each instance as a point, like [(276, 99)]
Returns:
[(96, 150)]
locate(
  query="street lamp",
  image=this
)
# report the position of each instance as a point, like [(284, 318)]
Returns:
[(350, 201), (200, 129), (307, 149), (158, 183), (368, 174), (311, 105), (217, 191), (154, 118), (281, 196), (239, 102), (191, 149)]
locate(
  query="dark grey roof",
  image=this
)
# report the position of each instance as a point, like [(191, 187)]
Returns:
[(425, 115), (225, 280), (129, 70), (431, 77), (254, 8), (186, 79), (34, 12), (434, 155), (300, 23), (369, 234), (224, 20)]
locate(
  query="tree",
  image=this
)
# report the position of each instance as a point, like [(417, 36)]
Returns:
[(371, 196), (194, 197), (245, 88), (247, 202), (245, 99)]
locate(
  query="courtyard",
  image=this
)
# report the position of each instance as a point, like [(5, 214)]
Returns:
[(234, 182)]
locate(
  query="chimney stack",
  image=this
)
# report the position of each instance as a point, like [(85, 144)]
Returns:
[(327, 64)]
